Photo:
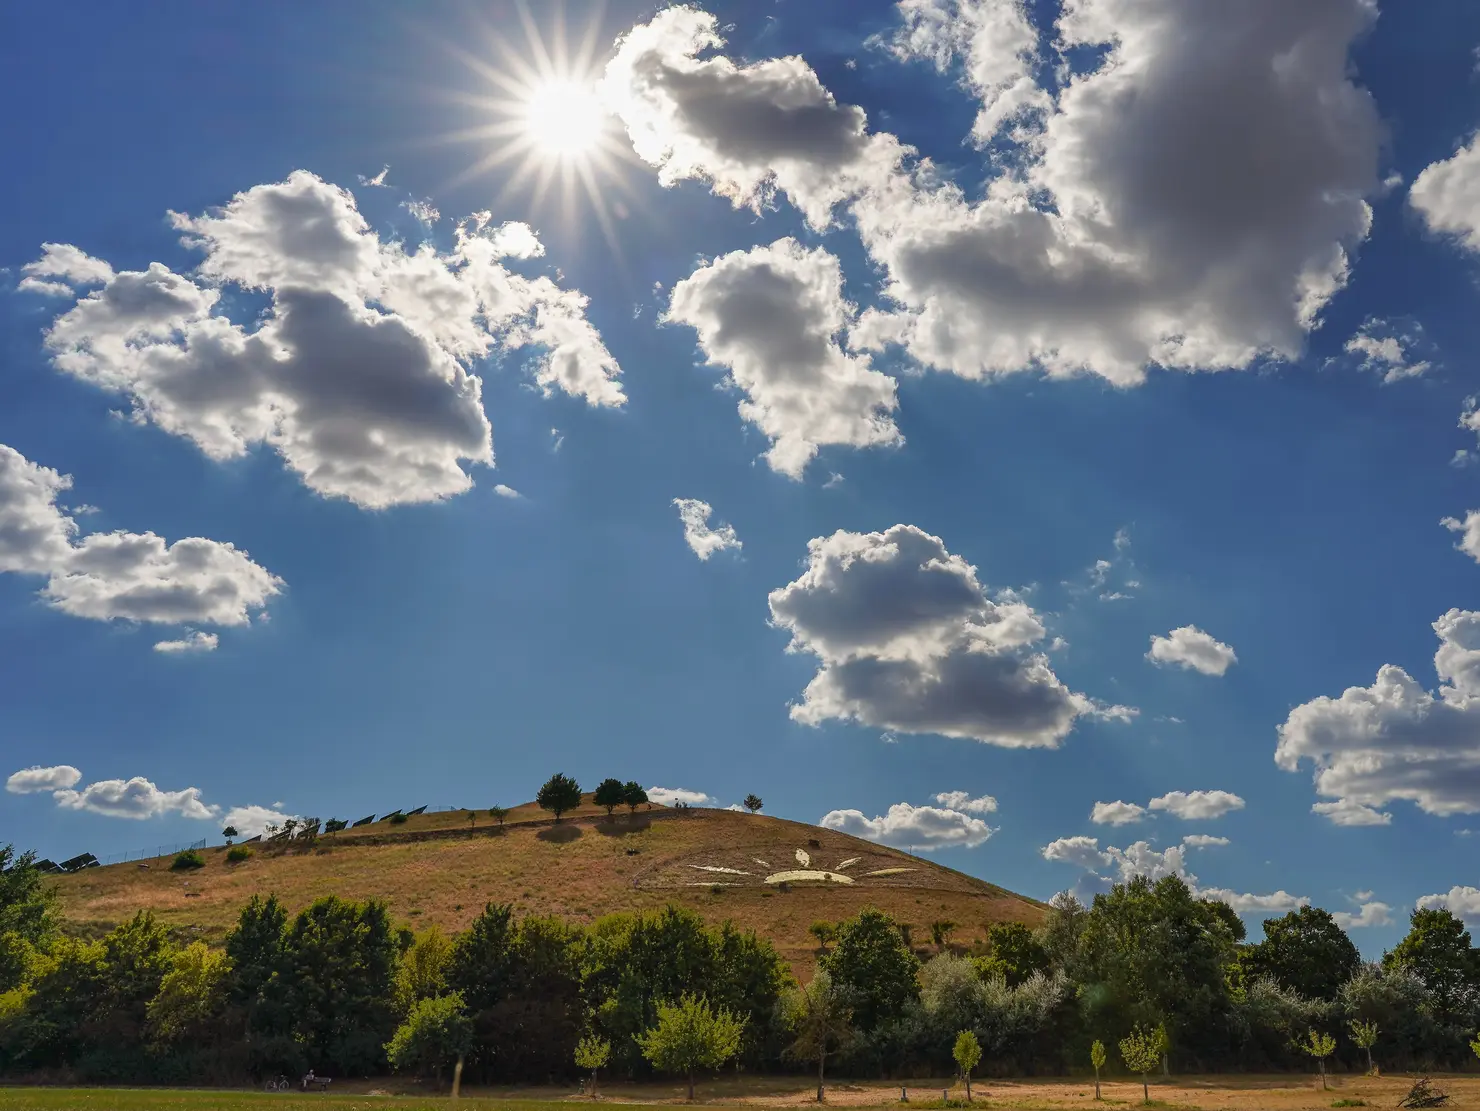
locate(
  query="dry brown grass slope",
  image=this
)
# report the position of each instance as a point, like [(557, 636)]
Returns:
[(438, 868)]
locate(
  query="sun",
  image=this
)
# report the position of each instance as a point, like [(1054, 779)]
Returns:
[(564, 118), (538, 120)]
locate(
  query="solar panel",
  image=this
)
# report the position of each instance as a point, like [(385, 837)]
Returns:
[(414, 813), (82, 860), (363, 822), (389, 816)]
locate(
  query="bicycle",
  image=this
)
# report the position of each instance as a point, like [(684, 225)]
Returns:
[(279, 1083)]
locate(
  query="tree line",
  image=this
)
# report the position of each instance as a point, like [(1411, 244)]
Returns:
[(1149, 968)]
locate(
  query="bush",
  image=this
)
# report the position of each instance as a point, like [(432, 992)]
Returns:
[(188, 861), (398, 819), (237, 853)]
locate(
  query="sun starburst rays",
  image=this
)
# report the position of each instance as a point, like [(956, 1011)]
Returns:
[(543, 126)]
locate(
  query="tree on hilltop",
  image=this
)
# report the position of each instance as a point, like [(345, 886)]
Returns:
[(498, 814), (559, 794), (230, 833), (753, 803), (610, 793), (633, 795)]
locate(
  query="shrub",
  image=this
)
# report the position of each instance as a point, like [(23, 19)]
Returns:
[(398, 819), (237, 853), (188, 861)]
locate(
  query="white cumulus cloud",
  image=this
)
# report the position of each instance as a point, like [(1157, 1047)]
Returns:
[(667, 796), (1347, 812), (1385, 349), (917, 827), (908, 641), (1447, 195), (1192, 649), (1116, 813), (1129, 224), (1461, 901), (136, 798), (358, 375), (126, 576), (249, 821), (962, 801), (1394, 739), (1371, 913), (1082, 852), (1203, 841), (697, 533), (1196, 806), (771, 316), (193, 641), (34, 780)]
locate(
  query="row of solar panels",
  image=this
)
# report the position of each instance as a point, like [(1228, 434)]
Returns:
[(76, 864), (387, 817)]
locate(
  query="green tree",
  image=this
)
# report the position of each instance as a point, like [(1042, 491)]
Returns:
[(819, 1017), (337, 970), (1097, 1059), (871, 959), (1319, 1046), (824, 931), (421, 972), (592, 1054), (1305, 951), (967, 1054), (690, 1035), (1475, 1045), (1364, 1036), (940, 932), (27, 914), (498, 814), (230, 833), (753, 803), (633, 795), (559, 794), (191, 997), (1012, 953), (610, 793), (334, 825), (1142, 1050), (1437, 950), (435, 1035)]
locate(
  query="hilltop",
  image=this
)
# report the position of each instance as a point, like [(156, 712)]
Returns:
[(768, 874)]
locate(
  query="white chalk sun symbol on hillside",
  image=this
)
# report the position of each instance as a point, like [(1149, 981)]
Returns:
[(806, 872)]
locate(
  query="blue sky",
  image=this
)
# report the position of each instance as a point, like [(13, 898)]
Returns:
[(977, 331)]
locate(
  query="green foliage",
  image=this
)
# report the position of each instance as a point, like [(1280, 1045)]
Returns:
[(967, 1052), (633, 795), (435, 1033), (334, 825), (238, 853), (592, 1053), (498, 814), (398, 819), (1475, 1045), (610, 793), (191, 996), (1437, 950), (1348, 1102), (819, 1018), (824, 931), (1318, 1045), (421, 972), (230, 832), (872, 960), (689, 1036), (1364, 1034), (1097, 1055), (27, 914), (1305, 951), (188, 861), (336, 970), (1013, 953), (753, 803), (559, 794), (940, 932), (1142, 1050)]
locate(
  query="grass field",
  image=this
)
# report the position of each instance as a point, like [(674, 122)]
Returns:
[(438, 868), (1200, 1093)]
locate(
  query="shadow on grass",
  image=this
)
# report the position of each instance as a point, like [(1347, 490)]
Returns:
[(559, 835), (621, 827)]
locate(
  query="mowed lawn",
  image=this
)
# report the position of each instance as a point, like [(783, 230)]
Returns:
[(1287, 1092)]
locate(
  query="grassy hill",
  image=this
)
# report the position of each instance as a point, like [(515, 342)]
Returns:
[(766, 874)]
